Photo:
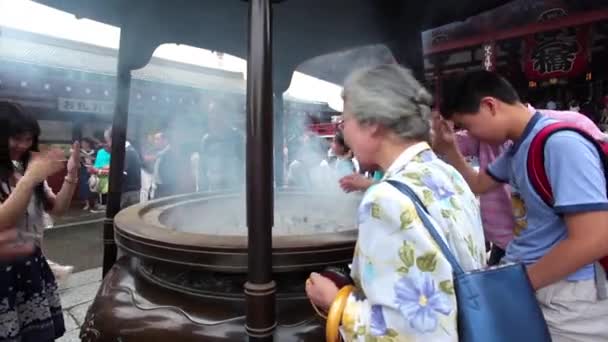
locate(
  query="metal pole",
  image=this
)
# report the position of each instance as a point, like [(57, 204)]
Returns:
[(279, 138), (119, 137), (260, 288)]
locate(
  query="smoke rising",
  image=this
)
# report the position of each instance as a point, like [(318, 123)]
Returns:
[(310, 202)]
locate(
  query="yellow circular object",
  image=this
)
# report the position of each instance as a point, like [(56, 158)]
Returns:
[(334, 317)]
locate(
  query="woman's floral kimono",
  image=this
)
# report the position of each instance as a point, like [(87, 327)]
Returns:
[(404, 283)]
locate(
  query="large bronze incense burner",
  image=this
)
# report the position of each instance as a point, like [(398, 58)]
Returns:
[(187, 263)]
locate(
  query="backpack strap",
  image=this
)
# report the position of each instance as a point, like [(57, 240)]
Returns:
[(536, 164), (536, 158)]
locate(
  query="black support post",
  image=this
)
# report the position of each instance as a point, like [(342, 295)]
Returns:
[(119, 137), (260, 288)]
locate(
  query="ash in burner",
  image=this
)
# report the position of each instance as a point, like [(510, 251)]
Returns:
[(295, 214)]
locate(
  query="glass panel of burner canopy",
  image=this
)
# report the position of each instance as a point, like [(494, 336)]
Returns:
[(187, 119)]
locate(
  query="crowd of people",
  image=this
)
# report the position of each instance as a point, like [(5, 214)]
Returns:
[(596, 111), (95, 158), (465, 159)]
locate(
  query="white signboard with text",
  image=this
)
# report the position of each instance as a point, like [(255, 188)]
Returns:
[(85, 106)]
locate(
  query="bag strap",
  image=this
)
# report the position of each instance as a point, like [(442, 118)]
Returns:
[(536, 158), (424, 217), (601, 281)]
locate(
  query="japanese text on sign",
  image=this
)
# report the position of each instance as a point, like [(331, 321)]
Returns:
[(85, 106), (555, 52)]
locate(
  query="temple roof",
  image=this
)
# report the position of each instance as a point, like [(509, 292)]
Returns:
[(302, 29)]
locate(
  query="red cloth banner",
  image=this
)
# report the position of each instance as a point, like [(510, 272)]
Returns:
[(555, 54)]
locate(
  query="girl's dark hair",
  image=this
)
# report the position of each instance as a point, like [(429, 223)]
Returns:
[(98, 136), (339, 137), (90, 141), (14, 121)]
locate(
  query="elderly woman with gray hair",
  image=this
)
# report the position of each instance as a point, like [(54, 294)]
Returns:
[(403, 285)]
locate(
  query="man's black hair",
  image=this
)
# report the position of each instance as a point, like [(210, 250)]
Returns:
[(92, 142), (462, 93)]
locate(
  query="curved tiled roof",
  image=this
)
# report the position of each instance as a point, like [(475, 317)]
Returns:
[(58, 53)]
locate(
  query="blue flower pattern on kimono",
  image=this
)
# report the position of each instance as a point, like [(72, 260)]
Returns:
[(419, 300), (378, 324), (439, 189)]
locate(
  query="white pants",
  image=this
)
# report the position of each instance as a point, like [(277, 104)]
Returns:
[(573, 311), (146, 186)]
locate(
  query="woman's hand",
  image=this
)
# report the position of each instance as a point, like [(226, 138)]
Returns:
[(74, 161), (355, 182), (321, 291), (44, 164), (10, 247)]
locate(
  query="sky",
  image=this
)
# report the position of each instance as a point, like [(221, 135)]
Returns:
[(33, 17)]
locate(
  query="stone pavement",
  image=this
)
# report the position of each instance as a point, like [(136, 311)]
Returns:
[(77, 293), (80, 245), (75, 216)]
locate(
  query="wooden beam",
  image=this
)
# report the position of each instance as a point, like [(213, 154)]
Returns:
[(446, 67), (578, 19)]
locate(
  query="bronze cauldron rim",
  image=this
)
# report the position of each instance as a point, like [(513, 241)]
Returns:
[(153, 241)]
